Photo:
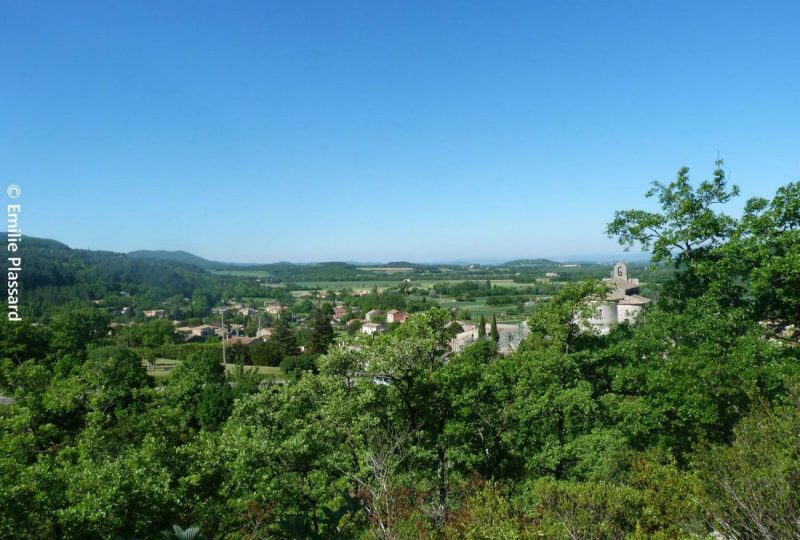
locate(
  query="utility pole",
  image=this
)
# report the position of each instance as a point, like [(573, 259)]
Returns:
[(222, 314)]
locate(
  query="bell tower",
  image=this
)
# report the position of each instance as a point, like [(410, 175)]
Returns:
[(620, 271)]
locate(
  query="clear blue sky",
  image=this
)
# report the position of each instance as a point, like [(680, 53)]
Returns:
[(334, 130)]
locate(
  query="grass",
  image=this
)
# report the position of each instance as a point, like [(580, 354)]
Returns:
[(397, 270), (384, 283), (478, 307), (369, 284), (246, 273), (335, 285), (164, 366)]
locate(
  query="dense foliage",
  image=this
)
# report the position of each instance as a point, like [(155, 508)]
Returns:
[(680, 425), (56, 276)]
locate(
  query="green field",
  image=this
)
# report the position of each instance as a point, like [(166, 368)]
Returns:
[(245, 273), (478, 307), (426, 282), (164, 366)]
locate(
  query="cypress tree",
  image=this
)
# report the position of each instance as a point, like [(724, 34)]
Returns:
[(495, 333), (482, 328), (284, 337), (321, 332)]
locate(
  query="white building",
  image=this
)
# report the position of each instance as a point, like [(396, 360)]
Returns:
[(273, 308), (511, 335), (370, 328)]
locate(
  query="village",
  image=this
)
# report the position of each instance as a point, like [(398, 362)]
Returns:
[(246, 323)]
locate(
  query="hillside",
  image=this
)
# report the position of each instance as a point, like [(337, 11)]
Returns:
[(183, 257), (54, 275), (530, 263)]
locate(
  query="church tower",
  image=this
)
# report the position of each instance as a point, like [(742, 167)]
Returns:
[(620, 271)]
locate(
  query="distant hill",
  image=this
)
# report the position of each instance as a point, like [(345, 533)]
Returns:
[(54, 274), (182, 257), (533, 263), (407, 264)]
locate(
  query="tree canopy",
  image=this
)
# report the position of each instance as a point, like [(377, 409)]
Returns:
[(681, 424)]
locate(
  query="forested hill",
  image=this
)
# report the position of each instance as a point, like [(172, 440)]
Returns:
[(53, 274), (529, 263), (182, 257)]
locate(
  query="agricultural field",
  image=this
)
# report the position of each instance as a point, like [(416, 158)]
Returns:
[(394, 270), (365, 284), (164, 366), (478, 307), (527, 277), (243, 273)]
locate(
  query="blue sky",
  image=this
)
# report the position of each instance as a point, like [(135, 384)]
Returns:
[(307, 131)]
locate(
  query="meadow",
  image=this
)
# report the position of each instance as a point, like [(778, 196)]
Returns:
[(164, 366)]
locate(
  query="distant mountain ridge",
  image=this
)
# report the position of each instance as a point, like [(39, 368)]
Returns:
[(183, 257), (186, 258), (54, 274), (529, 263)]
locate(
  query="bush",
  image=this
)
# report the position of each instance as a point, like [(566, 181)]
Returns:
[(353, 327), (753, 484), (183, 350), (487, 515), (216, 402), (268, 353), (296, 365), (596, 510)]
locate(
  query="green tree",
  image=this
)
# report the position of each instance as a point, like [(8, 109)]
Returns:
[(198, 387), (268, 353), (73, 330), (321, 332), (688, 226), (283, 336), (214, 405), (21, 341), (297, 365), (751, 262), (113, 374), (201, 303), (410, 360), (764, 252), (558, 323), (353, 327), (130, 493), (482, 327), (657, 396), (494, 332), (152, 334), (753, 483), (475, 383), (238, 353), (454, 328)]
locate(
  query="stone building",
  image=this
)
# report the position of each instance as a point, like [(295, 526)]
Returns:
[(622, 304), (511, 335)]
